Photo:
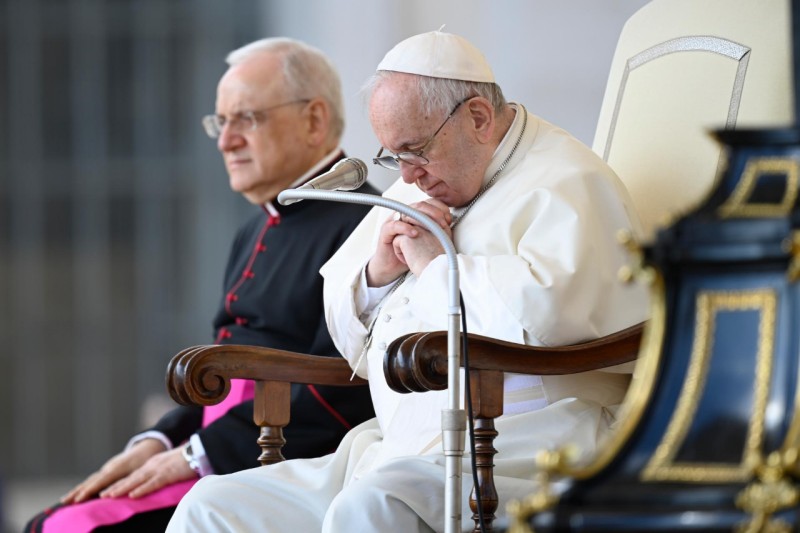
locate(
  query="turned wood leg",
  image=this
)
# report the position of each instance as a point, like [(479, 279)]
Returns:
[(484, 459), (487, 404), (271, 411)]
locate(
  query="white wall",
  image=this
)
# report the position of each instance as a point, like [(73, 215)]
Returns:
[(551, 55)]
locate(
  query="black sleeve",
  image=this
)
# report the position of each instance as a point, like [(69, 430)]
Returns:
[(230, 441)]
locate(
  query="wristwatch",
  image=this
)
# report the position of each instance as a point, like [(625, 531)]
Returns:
[(191, 460)]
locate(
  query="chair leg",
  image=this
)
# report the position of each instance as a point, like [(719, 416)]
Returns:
[(271, 411), (487, 404), (271, 442), (485, 434)]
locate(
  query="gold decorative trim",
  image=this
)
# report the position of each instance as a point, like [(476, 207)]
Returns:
[(739, 204), (543, 498), (661, 466), (791, 246), (792, 441), (772, 492), (640, 389)]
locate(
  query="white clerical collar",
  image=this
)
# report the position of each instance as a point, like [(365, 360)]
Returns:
[(507, 144), (313, 171), (500, 159)]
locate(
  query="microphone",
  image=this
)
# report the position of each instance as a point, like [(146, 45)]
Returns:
[(346, 175)]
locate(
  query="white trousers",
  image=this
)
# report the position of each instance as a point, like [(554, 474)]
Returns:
[(337, 493)]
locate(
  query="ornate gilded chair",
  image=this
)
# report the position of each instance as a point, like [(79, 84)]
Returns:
[(708, 438)]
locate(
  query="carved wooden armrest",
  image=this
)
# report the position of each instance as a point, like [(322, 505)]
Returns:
[(201, 375), (417, 362)]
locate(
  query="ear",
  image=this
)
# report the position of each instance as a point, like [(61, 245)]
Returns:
[(317, 121), (481, 114)]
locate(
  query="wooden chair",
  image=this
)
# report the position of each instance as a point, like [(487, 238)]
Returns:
[(201, 375), (651, 131)]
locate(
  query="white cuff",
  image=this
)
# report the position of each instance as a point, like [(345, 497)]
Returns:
[(367, 298), (150, 435), (199, 454)]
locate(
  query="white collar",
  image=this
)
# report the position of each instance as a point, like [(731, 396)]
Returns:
[(507, 143)]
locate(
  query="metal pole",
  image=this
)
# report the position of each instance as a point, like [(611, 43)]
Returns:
[(454, 420)]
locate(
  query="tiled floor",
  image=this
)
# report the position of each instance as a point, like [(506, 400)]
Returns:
[(23, 498)]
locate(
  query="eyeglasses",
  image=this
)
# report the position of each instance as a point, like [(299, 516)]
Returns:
[(240, 122), (415, 158)]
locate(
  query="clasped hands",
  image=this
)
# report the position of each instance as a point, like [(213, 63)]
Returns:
[(404, 244)]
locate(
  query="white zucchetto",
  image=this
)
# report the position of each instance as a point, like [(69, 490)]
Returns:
[(438, 55)]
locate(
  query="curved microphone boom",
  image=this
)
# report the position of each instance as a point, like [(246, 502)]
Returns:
[(346, 175), (454, 421)]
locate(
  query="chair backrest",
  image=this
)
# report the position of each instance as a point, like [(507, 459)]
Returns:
[(681, 69)]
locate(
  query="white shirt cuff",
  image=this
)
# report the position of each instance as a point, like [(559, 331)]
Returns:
[(199, 453), (150, 435), (366, 297)]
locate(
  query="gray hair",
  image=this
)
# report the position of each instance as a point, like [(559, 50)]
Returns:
[(308, 73), (442, 94)]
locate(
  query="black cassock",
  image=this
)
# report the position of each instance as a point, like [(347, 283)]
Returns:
[(273, 297)]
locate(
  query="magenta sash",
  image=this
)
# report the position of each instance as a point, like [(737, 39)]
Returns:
[(84, 517)]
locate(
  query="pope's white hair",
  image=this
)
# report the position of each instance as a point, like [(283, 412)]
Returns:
[(440, 95)]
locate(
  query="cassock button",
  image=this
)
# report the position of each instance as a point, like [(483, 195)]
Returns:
[(381, 345), (404, 300), (387, 318)]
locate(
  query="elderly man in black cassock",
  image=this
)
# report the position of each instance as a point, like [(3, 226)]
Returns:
[(278, 124)]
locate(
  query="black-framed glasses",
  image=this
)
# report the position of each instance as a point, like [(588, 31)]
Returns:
[(240, 122), (415, 158)]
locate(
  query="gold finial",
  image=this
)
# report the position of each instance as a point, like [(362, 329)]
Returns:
[(548, 463), (770, 493), (637, 270)]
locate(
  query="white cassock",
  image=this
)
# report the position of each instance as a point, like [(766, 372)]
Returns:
[(538, 263)]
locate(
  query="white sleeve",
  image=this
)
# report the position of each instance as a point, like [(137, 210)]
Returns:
[(367, 298)]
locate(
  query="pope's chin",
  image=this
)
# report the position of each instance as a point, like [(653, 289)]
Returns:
[(440, 192)]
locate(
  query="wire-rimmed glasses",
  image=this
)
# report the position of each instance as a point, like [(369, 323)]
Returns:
[(415, 158), (240, 122)]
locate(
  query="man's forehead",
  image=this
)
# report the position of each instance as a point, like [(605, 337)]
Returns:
[(239, 94), (256, 81), (398, 131), (397, 115)]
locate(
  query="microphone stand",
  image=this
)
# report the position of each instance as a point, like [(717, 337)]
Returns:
[(453, 417)]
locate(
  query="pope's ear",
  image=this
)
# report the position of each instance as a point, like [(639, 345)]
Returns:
[(482, 116)]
